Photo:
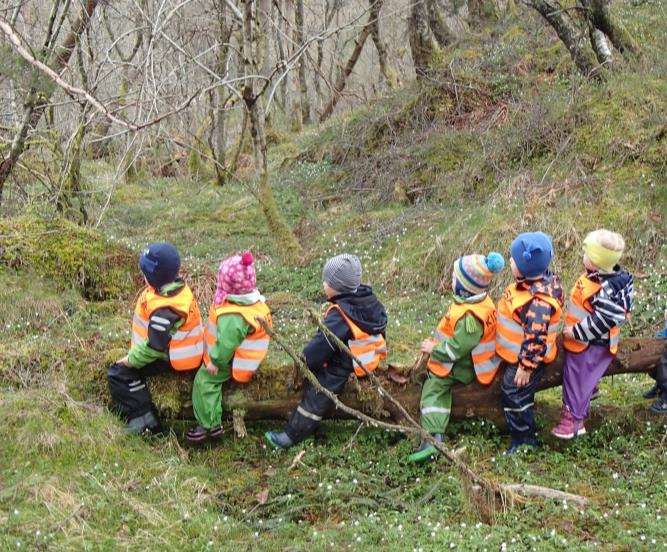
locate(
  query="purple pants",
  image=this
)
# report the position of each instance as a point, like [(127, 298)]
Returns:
[(581, 374)]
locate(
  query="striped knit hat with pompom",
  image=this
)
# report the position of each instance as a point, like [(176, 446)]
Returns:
[(473, 273)]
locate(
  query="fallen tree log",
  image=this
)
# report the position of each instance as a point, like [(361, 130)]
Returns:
[(275, 392)]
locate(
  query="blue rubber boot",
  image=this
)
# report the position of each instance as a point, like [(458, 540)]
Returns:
[(278, 440)]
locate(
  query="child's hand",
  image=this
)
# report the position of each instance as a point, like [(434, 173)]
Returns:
[(427, 346), (212, 369), (567, 332), (522, 377)]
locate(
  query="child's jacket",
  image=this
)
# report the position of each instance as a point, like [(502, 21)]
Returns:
[(167, 323), (529, 316), (599, 304), (233, 333), (364, 310), (468, 329)]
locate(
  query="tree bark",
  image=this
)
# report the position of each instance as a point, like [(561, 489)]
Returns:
[(341, 82), (600, 17), (274, 393), (303, 82), (559, 18), (422, 45), (37, 102), (438, 24), (386, 70)]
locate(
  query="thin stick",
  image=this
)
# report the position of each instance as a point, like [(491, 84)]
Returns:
[(416, 427), (317, 385)]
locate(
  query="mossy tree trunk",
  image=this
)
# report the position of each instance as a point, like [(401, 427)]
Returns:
[(253, 55), (597, 12), (387, 71), (422, 44), (593, 55), (569, 32), (276, 391), (299, 18)]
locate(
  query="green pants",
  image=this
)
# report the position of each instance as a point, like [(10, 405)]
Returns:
[(436, 401), (207, 396)]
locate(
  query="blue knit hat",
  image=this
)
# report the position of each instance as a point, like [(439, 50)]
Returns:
[(532, 253), (160, 263)]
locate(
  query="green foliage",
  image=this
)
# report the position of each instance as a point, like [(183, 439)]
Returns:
[(69, 255)]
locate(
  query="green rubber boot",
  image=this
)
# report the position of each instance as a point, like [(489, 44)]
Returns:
[(426, 452)]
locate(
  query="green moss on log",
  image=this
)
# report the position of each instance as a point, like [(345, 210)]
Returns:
[(69, 255)]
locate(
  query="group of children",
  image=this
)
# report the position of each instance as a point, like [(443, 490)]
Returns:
[(474, 339)]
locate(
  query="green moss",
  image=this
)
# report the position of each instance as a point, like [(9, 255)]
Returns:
[(69, 256)]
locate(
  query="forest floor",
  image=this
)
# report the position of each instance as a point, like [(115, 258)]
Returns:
[(504, 139)]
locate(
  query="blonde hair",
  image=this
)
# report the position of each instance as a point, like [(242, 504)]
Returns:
[(607, 239)]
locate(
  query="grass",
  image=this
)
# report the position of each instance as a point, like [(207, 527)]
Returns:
[(407, 183)]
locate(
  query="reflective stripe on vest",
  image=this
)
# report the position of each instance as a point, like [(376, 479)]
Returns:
[(253, 349), (187, 343), (483, 355), (509, 332), (370, 349), (579, 308)]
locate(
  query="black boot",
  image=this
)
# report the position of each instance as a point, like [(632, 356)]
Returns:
[(651, 393), (141, 424)]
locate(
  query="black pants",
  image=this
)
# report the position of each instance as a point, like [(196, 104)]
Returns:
[(660, 373), (314, 405), (129, 389), (518, 403)]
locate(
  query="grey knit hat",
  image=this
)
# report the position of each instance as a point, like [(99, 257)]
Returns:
[(343, 273)]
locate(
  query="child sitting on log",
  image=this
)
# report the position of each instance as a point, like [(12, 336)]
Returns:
[(357, 318), (236, 343), (529, 315), (600, 302), (464, 345), (166, 334)]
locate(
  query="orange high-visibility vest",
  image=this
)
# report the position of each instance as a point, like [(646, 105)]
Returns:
[(187, 343), (253, 349), (578, 309), (369, 349), (484, 356), (509, 331)]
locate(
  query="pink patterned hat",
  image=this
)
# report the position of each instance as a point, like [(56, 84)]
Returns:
[(236, 276)]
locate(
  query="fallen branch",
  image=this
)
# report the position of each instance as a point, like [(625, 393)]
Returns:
[(535, 491), (487, 497)]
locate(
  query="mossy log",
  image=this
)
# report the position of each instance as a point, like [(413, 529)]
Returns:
[(275, 392)]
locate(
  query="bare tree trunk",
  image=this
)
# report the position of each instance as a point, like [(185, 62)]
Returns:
[(422, 45), (561, 21), (436, 19), (387, 72), (303, 82), (37, 102), (346, 72)]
